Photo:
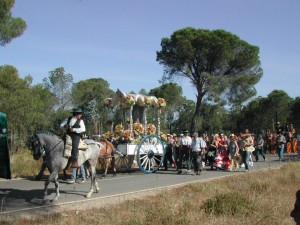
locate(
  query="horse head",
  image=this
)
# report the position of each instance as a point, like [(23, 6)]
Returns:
[(37, 147)]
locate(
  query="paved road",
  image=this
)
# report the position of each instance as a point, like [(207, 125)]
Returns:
[(23, 196)]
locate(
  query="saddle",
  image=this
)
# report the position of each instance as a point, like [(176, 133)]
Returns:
[(68, 146)]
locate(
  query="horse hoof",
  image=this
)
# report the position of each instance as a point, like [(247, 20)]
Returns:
[(88, 195), (114, 175), (97, 189)]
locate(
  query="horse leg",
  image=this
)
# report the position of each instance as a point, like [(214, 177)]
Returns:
[(103, 163), (106, 163), (56, 187), (65, 175), (113, 166), (53, 176), (94, 183), (39, 176)]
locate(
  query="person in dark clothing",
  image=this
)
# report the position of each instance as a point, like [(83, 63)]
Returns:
[(169, 152), (75, 128)]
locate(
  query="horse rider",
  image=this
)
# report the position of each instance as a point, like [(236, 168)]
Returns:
[(75, 128)]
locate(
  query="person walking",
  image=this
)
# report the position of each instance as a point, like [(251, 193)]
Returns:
[(259, 148), (233, 150), (176, 148), (280, 142), (169, 152), (198, 150), (247, 148), (212, 150), (184, 153), (75, 129)]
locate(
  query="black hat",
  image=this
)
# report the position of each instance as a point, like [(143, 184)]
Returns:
[(185, 131), (77, 110)]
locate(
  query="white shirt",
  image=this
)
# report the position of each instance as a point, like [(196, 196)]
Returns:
[(72, 122), (186, 140), (198, 144)]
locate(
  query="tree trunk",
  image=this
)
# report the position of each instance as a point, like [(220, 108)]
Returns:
[(196, 114)]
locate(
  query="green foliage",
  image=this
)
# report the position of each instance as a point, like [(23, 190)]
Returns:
[(60, 84), (89, 94), (217, 63), (10, 27), (295, 112), (28, 108), (262, 113)]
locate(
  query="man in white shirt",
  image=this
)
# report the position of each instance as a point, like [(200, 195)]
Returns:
[(198, 150), (184, 152), (75, 128)]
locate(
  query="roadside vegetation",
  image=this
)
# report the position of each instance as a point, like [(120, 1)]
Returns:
[(262, 197)]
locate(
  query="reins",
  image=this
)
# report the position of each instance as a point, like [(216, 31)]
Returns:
[(44, 153)]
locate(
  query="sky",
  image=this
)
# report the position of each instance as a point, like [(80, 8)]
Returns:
[(117, 40)]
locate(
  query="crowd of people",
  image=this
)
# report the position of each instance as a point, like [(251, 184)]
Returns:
[(229, 152)]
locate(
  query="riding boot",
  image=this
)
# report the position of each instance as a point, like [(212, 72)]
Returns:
[(75, 163)]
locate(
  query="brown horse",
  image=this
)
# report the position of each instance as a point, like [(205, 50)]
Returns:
[(107, 156)]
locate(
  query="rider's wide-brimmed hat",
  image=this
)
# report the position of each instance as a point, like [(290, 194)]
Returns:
[(77, 110)]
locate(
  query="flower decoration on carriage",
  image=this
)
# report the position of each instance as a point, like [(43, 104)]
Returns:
[(163, 136), (162, 102), (130, 99), (148, 101), (127, 136), (119, 129), (151, 129), (107, 102), (107, 135), (138, 129)]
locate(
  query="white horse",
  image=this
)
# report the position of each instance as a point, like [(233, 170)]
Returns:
[(52, 147)]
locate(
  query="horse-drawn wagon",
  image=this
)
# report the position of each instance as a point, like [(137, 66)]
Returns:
[(137, 141)]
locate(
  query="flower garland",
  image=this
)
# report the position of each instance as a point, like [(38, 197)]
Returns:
[(138, 128), (130, 100), (151, 129), (148, 101), (126, 135), (119, 128), (107, 135), (107, 102), (162, 102)]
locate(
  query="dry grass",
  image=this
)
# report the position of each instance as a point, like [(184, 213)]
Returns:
[(264, 197), (23, 164)]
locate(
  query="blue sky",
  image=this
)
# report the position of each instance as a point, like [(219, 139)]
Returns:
[(117, 40)]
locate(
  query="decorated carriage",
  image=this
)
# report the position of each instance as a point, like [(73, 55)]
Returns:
[(138, 143)]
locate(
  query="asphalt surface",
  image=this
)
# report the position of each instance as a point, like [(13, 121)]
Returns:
[(24, 196)]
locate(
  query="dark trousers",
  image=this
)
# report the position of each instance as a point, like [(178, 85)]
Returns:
[(168, 157), (197, 161), (259, 151), (75, 143), (184, 153)]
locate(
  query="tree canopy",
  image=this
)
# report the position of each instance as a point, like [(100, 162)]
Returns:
[(10, 27), (60, 84), (217, 63)]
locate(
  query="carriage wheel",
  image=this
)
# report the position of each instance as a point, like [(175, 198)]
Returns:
[(150, 153), (123, 162)]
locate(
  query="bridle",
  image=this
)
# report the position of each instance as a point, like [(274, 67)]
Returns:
[(37, 154), (42, 151)]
